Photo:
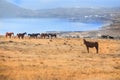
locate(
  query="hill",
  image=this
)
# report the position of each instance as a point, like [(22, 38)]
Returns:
[(112, 29), (58, 59), (101, 15), (9, 10)]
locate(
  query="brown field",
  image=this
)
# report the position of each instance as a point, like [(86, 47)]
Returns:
[(58, 59)]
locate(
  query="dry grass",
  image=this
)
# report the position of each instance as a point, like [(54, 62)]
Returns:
[(58, 59)]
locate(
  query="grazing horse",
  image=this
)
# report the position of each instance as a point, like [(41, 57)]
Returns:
[(104, 36), (21, 35), (52, 35), (111, 37), (34, 35), (91, 45), (9, 34), (44, 35), (107, 37)]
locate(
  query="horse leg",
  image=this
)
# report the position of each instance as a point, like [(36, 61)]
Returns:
[(96, 49), (19, 37), (88, 49), (22, 37)]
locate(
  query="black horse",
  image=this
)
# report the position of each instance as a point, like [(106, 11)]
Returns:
[(21, 35), (51, 35), (34, 35), (107, 37), (111, 37), (104, 36), (91, 45)]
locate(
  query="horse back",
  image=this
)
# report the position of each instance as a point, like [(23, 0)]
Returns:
[(92, 44)]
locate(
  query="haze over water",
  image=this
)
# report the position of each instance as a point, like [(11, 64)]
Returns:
[(43, 25)]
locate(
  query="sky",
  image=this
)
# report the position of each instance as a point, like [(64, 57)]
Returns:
[(45, 4)]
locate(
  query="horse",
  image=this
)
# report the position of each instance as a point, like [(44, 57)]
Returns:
[(107, 37), (91, 45), (31, 35), (21, 35), (104, 36), (44, 35), (34, 35), (111, 37), (9, 34), (52, 35)]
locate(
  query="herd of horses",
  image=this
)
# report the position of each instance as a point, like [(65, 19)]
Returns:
[(32, 35), (88, 44), (107, 37)]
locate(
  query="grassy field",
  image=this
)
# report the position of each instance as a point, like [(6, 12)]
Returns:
[(58, 59)]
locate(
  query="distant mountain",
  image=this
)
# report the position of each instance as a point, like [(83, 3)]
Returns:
[(10, 10), (79, 14)]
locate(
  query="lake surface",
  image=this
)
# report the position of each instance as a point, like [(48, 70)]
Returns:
[(43, 25)]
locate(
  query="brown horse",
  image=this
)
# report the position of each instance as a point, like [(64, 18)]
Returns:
[(44, 35), (9, 34), (91, 45), (21, 35)]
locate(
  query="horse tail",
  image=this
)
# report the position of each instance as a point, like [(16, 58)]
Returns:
[(96, 43)]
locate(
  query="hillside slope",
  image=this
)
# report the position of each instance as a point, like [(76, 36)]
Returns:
[(8, 9), (58, 59), (113, 29)]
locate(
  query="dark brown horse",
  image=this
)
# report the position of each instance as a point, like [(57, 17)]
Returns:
[(91, 45), (52, 35), (44, 35), (21, 35), (34, 35), (9, 34)]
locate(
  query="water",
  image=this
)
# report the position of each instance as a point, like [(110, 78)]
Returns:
[(43, 25)]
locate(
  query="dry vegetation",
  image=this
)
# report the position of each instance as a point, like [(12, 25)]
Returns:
[(58, 59)]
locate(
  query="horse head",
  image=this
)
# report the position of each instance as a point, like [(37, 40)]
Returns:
[(24, 33)]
